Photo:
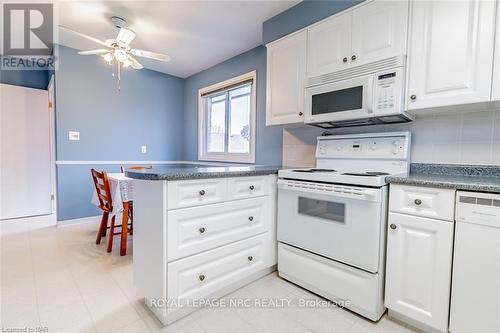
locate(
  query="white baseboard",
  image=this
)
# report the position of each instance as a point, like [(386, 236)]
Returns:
[(90, 219)]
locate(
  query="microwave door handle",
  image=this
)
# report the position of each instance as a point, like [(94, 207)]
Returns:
[(370, 90)]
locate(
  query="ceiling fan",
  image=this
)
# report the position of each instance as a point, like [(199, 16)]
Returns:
[(117, 51)]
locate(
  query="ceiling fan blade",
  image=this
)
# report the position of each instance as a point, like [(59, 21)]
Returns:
[(98, 51), (125, 37), (95, 40), (150, 55), (135, 64)]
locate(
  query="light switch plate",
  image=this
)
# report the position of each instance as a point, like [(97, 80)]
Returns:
[(144, 149), (74, 136)]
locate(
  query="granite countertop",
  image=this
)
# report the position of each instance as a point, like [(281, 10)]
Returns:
[(199, 171), (469, 178)]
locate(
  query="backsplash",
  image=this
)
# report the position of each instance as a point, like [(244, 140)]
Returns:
[(463, 138)]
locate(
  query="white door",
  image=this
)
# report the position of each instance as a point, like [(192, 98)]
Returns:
[(379, 31), (286, 72), (25, 152), (450, 53), (495, 92), (418, 269), (344, 225), (329, 45)]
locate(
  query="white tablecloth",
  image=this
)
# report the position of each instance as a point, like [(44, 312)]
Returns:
[(122, 190)]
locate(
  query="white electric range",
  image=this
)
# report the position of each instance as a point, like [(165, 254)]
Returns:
[(332, 219)]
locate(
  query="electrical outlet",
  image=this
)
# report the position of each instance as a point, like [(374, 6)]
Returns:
[(144, 149), (74, 136)]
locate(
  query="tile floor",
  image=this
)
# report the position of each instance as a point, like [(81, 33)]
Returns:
[(57, 277)]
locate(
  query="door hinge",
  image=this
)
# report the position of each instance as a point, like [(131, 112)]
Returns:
[(52, 197), (50, 104)]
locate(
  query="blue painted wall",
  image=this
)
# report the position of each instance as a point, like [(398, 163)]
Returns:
[(31, 79), (301, 15), (268, 139), (112, 124)]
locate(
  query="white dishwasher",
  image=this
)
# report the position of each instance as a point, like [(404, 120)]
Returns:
[(475, 295)]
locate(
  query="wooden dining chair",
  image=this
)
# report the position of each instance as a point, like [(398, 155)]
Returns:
[(103, 191), (136, 167)]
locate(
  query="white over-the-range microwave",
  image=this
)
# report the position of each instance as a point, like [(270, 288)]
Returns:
[(363, 95)]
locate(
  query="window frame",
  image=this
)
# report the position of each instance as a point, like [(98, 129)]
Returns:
[(203, 154)]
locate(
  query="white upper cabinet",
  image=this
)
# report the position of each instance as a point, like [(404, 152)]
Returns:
[(370, 32), (286, 71), (495, 92), (379, 31), (329, 45), (450, 53)]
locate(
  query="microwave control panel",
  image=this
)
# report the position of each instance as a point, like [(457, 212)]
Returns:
[(388, 91)]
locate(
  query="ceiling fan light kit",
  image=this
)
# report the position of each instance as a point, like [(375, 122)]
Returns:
[(118, 52)]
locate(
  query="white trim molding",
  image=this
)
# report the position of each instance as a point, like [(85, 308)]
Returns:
[(89, 162), (227, 157)]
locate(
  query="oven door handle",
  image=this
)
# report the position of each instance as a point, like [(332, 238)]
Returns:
[(331, 190)]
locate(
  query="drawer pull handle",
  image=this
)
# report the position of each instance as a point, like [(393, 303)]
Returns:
[(418, 202), (202, 192), (250, 218), (202, 230), (250, 258), (251, 187), (201, 277), (393, 226)]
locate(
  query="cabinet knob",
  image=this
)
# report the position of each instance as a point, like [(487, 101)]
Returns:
[(393, 226), (202, 230), (301, 113), (413, 97), (418, 202), (353, 57), (201, 277), (250, 258), (345, 59), (202, 192), (251, 187), (250, 218)]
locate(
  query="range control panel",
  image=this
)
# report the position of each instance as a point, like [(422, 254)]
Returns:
[(383, 147)]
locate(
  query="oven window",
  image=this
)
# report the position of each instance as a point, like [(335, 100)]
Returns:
[(338, 101), (329, 210)]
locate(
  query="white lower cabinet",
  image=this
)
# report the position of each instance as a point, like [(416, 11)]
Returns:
[(201, 275), (191, 248), (418, 270), (196, 229)]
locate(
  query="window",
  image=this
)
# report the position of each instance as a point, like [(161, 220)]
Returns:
[(226, 114)]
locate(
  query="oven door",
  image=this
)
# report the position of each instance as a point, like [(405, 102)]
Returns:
[(339, 101), (342, 223)]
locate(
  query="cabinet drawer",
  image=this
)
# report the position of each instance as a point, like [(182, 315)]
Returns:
[(247, 187), (203, 274), (187, 193), (423, 201), (196, 229)]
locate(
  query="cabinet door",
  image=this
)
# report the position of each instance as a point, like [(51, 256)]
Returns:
[(495, 92), (419, 256), (329, 45), (379, 31), (451, 53), (286, 71)]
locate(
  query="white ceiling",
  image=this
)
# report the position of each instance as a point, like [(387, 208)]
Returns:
[(196, 34)]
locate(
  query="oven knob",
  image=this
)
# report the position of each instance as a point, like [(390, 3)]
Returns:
[(321, 151), (373, 147), (339, 148), (395, 151)]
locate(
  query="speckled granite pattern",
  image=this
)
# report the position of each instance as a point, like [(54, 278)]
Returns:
[(460, 177), (192, 171)]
